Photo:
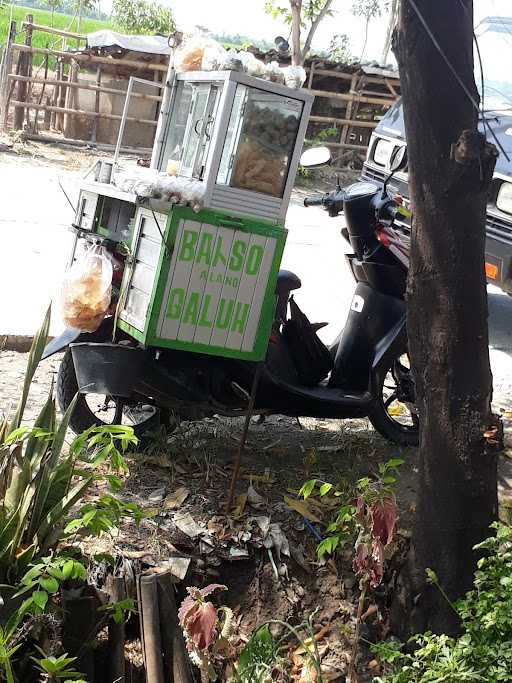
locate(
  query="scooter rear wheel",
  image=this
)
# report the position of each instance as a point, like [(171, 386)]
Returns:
[(92, 410), (395, 416)]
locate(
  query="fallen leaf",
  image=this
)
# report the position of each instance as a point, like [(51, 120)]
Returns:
[(177, 498), (187, 524), (157, 495), (240, 506), (276, 539), (302, 508), (254, 498)]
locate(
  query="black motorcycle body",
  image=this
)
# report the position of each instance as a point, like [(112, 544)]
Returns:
[(190, 384)]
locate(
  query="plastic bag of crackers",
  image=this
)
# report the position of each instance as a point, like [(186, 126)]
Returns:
[(86, 290)]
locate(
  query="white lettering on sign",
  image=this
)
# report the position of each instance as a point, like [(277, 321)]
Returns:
[(216, 286), (357, 304)]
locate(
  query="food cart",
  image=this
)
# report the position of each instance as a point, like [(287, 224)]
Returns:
[(203, 227)]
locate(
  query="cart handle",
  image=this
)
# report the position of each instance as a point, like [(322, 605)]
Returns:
[(230, 222)]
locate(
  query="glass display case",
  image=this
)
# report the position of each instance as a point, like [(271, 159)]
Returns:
[(242, 136)]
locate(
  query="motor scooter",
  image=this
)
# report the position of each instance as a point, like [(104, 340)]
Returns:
[(368, 375)]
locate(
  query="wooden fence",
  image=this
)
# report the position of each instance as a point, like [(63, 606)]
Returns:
[(37, 98), (349, 100)]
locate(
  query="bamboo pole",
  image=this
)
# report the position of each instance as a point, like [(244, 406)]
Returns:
[(55, 94), (150, 628), (82, 112), (116, 633), (176, 661), (90, 59), (57, 32), (23, 70), (86, 86), (348, 111), (70, 100), (7, 66), (94, 135), (385, 101), (356, 123), (84, 143)]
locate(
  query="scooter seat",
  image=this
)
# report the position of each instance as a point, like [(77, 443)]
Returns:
[(286, 283)]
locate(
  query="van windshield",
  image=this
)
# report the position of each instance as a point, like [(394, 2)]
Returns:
[(495, 42)]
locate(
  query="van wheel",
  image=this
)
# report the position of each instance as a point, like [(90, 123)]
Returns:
[(95, 410), (395, 415)]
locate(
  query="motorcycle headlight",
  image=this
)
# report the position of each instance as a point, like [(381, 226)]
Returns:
[(382, 152), (504, 200)]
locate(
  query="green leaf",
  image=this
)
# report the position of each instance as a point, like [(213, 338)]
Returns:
[(40, 598), (328, 546), (307, 488), (36, 352), (49, 584), (325, 488), (394, 463), (67, 569)]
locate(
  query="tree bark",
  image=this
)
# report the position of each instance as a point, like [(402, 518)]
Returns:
[(296, 8), (393, 16), (315, 24), (447, 311)]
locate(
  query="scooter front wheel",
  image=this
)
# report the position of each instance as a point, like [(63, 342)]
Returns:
[(395, 415), (93, 410)]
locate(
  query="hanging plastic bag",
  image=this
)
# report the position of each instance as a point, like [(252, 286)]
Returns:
[(294, 76), (86, 290)]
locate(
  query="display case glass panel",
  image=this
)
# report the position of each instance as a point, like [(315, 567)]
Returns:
[(260, 141)]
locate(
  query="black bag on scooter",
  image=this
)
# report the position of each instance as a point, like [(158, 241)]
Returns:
[(310, 356)]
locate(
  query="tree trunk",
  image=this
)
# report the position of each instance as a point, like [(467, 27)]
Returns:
[(447, 310), (296, 7), (393, 16)]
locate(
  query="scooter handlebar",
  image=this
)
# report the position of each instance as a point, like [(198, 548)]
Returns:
[(314, 201)]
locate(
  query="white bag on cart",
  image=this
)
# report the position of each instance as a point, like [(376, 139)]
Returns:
[(87, 290)]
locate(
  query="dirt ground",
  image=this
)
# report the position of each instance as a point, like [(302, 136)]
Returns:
[(281, 455)]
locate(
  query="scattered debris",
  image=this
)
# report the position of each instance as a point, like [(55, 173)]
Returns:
[(176, 499)]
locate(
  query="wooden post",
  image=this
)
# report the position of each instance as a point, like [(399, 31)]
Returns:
[(349, 113), (94, 135), (69, 121), (55, 95), (116, 633), (150, 628), (176, 660), (6, 70), (24, 61), (59, 121)]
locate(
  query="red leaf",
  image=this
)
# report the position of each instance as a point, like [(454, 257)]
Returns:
[(199, 618), (360, 562), (377, 564), (384, 516), (360, 509), (200, 624)]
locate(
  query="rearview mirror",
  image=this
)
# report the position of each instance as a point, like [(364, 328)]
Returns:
[(315, 156), (399, 159)]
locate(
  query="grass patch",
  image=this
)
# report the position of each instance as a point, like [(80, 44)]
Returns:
[(65, 22)]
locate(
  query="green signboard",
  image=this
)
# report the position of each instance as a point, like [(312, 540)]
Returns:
[(212, 288)]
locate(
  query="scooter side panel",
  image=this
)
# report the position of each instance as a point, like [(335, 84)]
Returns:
[(372, 315)]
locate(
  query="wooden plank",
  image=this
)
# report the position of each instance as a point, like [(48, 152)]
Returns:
[(385, 101), (90, 59), (87, 86), (56, 31), (80, 112), (356, 123)]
